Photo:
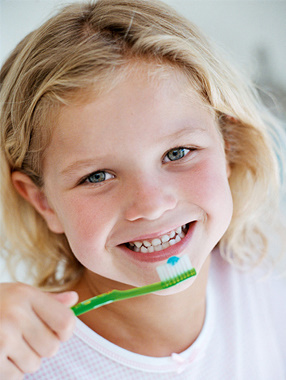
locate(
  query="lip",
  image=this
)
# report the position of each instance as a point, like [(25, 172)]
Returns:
[(153, 235), (174, 250)]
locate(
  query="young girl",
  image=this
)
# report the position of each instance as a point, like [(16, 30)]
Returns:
[(125, 140)]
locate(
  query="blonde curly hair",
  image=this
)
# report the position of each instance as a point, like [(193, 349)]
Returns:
[(80, 49)]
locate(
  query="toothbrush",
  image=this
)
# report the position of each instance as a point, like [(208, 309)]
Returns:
[(174, 271)]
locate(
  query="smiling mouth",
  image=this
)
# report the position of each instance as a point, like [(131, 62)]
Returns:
[(160, 243)]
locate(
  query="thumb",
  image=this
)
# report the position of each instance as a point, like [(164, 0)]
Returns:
[(67, 298)]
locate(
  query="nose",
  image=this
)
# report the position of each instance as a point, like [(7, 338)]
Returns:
[(147, 200)]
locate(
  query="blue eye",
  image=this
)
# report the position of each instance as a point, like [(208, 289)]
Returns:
[(98, 177), (176, 154)]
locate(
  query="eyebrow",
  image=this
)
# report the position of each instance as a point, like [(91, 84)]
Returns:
[(82, 164), (185, 131)]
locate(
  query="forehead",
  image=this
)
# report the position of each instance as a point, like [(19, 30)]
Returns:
[(151, 72), (143, 112), (139, 89)]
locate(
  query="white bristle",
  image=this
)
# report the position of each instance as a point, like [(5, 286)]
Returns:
[(161, 272), (168, 271)]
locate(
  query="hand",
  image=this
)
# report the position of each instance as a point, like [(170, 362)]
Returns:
[(32, 325)]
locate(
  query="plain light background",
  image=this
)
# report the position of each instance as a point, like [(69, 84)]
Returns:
[(253, 34)]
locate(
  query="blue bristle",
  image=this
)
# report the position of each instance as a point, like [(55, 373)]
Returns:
[(173, 260)]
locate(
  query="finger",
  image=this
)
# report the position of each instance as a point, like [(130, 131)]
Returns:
[(57, 316), (24, 357), (26, 324), (41, 338), (10, 371), (67, 298)]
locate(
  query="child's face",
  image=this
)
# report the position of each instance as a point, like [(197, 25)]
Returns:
[(139, 162)]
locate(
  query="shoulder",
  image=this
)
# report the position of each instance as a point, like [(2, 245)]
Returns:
[(267, 288), (251, 303)]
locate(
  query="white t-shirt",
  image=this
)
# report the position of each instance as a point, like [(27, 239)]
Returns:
[(243, 338)]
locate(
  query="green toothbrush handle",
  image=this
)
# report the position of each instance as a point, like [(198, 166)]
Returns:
[(115, 295)]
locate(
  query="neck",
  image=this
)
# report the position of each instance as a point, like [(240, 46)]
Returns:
[(151, 325)]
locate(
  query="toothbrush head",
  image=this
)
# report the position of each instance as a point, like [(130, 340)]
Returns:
[(176, 269)]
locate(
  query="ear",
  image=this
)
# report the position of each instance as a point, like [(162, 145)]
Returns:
[(227, 149), (228, 169), (36, 197)]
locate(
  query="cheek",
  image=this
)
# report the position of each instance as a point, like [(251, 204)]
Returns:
[(207, 186), (87, 221)]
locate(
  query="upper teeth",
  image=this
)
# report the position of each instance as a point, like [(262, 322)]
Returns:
[(159, 243)]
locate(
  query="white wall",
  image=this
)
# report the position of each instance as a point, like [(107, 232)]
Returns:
[(252, 32), (241, 27)]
